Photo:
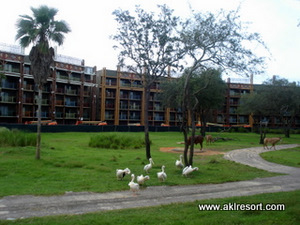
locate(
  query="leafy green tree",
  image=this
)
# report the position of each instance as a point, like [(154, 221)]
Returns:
[(39, 30), (206, 92), (212, 97), (276, 97), (148, 47), (216, 41)]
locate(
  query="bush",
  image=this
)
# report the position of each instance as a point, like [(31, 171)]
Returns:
[(116, 141), (16, 138), (243, 130)]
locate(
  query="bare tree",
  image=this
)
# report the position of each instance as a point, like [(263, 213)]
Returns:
[(148, 46)]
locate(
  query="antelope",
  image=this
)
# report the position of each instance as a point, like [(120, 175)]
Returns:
[(209, 139), (272, 141), (198, 139)]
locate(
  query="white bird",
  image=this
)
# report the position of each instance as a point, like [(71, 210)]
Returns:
[(188, 169), (134, 187), (162, 176), (142, 179), (121, 173), (179, 163), (149, 166)]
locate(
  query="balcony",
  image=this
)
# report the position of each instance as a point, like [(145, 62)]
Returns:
[(110, 94), (75, 78), (71, 103), (44, 101), (70, 115), (62, 77), (8, 85), (59, 102), (123, 107), (109, 105), (71, 92), (8, 99), (28, 100), (158, 118), (123, 116), (136, 117), (109, 116), (28, 114), (158, 108), (7, 113), (135, 107), (59, 115)]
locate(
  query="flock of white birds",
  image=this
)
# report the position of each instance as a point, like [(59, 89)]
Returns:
[(162, 176)]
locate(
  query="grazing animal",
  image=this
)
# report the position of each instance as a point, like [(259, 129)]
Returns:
[(198, 139), (272, 141), (209, 139), (179, 163), (149, 166), (162, 176), (121, 173), (142, 179), (188, 170), (134, 187)]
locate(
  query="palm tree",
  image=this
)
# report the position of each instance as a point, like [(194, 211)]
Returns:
[(39, 30)]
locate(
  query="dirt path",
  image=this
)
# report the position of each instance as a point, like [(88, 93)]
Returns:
[(196, 152), (13, 207)]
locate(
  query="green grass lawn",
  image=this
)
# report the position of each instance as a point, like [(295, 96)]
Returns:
[(69, 164), (288, 157)]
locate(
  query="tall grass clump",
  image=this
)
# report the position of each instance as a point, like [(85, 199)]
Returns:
[(117, 141), (16, 138)]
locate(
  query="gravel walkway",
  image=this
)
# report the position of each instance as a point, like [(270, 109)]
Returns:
[(14, 207)]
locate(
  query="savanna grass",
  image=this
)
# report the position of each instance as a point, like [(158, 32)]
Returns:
[(117, 141), (68, 163), (16, 138)]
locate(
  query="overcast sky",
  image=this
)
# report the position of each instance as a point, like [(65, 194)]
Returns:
[(92, 24)]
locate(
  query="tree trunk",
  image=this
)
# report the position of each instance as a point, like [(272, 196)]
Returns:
[(192, 140), (146, 121), (203, 123), (39, 115), (185, 111), (185, 136)]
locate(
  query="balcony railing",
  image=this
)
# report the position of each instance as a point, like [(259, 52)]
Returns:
[(63, 77), (9, 99), (71, 92), (70, 115), (59, 115), (28, 114), (7, 113), (135, 107), (71, 103), (8, 85), (109, 116)]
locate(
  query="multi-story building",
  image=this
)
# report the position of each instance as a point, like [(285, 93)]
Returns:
[(122, 102), (75, 92), (68, 95), (228, 114)]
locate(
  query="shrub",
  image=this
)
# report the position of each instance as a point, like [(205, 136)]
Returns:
[(243, 130), (116, 141), (16, 138)]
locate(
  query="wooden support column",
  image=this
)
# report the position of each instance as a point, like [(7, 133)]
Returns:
[(53, 96), (20, 94), (103, 94)]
